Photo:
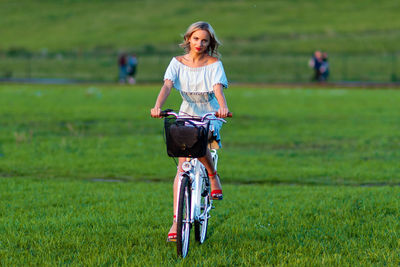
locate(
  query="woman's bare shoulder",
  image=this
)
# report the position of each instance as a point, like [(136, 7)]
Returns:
[(180, 58), (211, 59)]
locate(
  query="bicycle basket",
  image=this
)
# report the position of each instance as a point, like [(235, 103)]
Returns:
[(185, 139)]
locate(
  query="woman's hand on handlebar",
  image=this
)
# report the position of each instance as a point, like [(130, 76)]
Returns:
[(223, 113), (155, 112)]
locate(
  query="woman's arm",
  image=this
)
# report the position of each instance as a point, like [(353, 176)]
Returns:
[(162, 97), (223, 106)]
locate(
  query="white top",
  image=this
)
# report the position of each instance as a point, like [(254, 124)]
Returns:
[(195, 85), (195, 79)]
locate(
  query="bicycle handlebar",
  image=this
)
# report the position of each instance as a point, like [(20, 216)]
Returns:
[(228, 116), (168, 112)]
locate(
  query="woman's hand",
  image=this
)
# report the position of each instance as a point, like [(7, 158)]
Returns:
[(222, 112), (155, 112), (223, 107)]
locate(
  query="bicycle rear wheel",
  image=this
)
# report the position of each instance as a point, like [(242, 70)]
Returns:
[(200, 226), (183, 218)]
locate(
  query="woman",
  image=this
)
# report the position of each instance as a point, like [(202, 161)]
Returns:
[(200, 78)]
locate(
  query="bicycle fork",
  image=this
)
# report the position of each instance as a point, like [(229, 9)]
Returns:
[(192, 170), (187, 172)]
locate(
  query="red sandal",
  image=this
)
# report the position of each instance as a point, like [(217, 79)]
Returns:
[(216, 194), (172, 237)]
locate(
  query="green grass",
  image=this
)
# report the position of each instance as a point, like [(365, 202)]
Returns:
[(248, 27), (326, 136), (81, 222), (264, 41), (239, 68), (310, 177)]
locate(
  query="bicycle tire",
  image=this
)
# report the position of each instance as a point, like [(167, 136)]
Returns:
[(200, 227), (183, 218)]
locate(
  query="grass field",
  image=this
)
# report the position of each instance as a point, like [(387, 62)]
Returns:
[(263, 41), (248, 26), (310, 177), (81, 222), (327, 136), (272, 68)]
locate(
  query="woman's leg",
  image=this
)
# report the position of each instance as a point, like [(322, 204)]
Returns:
[(175, 190), (209, 164)]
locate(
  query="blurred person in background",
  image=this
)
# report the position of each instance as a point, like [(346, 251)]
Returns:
[(315, 63), (132, 65)]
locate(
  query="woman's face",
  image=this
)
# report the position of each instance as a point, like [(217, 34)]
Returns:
[(199, 41)]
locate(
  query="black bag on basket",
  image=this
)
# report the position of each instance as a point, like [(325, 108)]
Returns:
[(185, 139)]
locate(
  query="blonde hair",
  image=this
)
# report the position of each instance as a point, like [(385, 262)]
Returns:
[(212, 48)]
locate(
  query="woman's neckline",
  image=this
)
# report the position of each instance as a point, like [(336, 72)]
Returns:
[(199, 67)]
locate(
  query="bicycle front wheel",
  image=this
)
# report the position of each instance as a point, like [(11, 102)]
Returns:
[(183, 218)]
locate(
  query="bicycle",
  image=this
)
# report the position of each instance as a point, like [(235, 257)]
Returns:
[(194, 201)]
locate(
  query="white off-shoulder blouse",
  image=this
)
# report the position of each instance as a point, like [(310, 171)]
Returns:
[(195, 85)]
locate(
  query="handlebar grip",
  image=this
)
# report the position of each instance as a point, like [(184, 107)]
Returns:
[(164, 113), (229, 115)]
